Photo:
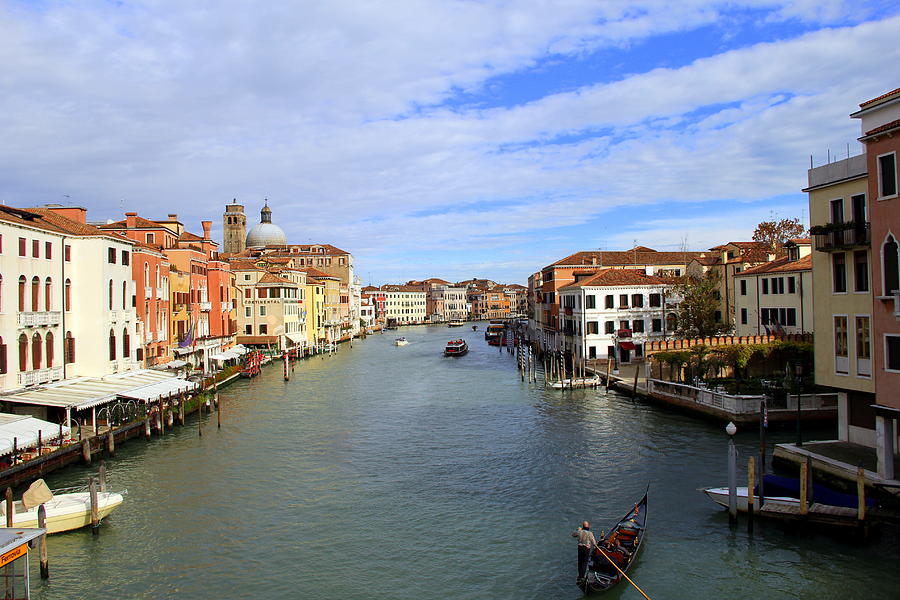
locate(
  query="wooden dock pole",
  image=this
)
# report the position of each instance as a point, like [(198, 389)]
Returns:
[(804, 492), (162, 417), (86, 450), (608, 367), (102, 474), (110, 442), (10, 509), (751, 483), (147, 427), (860, 495), (199, 417), (95, 507), (42, 523), (181, 409), (219, 414), (637, 372)]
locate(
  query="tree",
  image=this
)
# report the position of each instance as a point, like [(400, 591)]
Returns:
[(775, 233), (700, 300)]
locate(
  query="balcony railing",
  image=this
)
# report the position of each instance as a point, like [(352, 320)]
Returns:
[(227, 306), (161, 293), (839, 236), (40, 376), (148, 291), (206, 306), (39, 319)]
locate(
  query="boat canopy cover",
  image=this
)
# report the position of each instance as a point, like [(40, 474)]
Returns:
[(25, 431), (36, 494)]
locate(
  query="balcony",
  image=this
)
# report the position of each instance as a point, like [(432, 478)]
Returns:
[(161, 293), (205, 306), (148, 292), (39, 319), (148, 337), (227, 306), (117, 316), (624, 334), (841, 236), (40, 376)]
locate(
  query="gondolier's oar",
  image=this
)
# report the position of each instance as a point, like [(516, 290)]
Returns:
[(623, 573)]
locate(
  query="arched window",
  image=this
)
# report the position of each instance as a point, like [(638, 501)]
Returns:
[(68, 298), (23, 352), (22, 293), (49, 343), (158, 282), (126, 344), (36, 351), (890, 265), (35, 293), (110, 294), (124, 294), (69, 348), (146, 274), (2, 357), (112, 345), (48, 294)]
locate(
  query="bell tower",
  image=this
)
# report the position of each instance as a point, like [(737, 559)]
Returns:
[(235, 228)]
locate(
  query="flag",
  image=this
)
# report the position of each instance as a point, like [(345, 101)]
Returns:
[(188, 339)]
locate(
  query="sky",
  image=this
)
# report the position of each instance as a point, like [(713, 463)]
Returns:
[(438, 138)]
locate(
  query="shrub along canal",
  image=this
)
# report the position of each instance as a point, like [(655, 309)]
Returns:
[(391, 472)]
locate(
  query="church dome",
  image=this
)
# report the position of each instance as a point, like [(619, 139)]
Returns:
[(266, 233)]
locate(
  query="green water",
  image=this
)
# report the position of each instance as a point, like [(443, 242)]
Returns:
[(396, 473)]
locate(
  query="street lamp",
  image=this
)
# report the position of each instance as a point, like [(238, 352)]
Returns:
[(798, 371), (730, 429)]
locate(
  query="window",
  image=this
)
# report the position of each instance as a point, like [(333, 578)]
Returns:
[(67, 253), (743, 316), (36, 351), (263, 329), (743, 287), (838, 273), (2, 357), (35, 294), (890, 266), (623, 300), (48, 250), (765, 286), (837, 210), (246, 276), (49, 352), (656, 325), (22, 293), (248, 312), (790, 317), (248, 329), (609, 327), (792, 285), (863, 340), (69, 348), (146, 274), (778, 284), (655, 300), (592, 353), (718, 316), (111, 256), (861, 271), (48, 294), (840, 336), (624, 325), (126, 344), (609, 301), (637, 300), (23, 352), (892, 352), (637, 326), (150, 238), (887, 175), (262, 311), (590, 301), (22, 246), (35, 248), (68, 295), (593, 327), (112, 345), (110, 294), (125, 258), (124, 295)]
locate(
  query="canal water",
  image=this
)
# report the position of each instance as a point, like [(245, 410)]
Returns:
[(389, 472)]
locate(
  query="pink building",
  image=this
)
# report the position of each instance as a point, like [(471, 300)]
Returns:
[(880, 125)]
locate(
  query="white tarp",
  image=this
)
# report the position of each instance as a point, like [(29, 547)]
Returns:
[(25, 431), (295, 337), (164, 389)]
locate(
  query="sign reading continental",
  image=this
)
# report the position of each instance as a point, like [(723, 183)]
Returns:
[(18, 552)]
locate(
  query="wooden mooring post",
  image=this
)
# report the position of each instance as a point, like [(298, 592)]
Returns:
[(860, 496), (751, 483), (804, 492), (42, 523), (10, 509), (110, 442), (102, 475), (181, 409), (637, 371), (199, 417), (86, 450), (147, 427), (608, 367), (95, 507)]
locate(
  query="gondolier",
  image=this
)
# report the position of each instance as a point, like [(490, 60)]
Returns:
[(586, 543)]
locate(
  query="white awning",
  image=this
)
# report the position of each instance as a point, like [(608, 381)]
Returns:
[(239, 349), (295, 337), (222, 356), (88, 392), (164, 389), (25, 431), (174, 364), (183, 351)]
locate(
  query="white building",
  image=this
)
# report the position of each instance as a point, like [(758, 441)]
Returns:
[(404, 304), (777, 296), (367, 312), (614, 313), (67, 306)]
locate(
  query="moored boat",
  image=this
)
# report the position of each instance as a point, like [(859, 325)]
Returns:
[(784, 491), (401, 341), (616, 551), (494, 333), (455, 323), (456, 348), (66, 510)]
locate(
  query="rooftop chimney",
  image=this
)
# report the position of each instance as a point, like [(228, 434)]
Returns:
[(76, 213), (173, 216), (207, 227), (130, 220)]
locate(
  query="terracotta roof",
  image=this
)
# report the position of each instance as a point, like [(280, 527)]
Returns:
[(709, 260), (270, 278), (369, 288), (881, 97), (801, 241), (436, 280), (610, 277), (243, 265), (627, 257), (401, 288), (885, 127), (315, 272), (781, 265), (69, 226), (189, 237), (138, 222)]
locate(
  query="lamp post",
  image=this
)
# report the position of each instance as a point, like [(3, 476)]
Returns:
[(798, 371), (730, 429)]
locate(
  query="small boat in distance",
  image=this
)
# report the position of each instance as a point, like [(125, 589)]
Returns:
[(67, 509), (456, 348), (401, 341), (474, 327), (456, 323), (494, 333), (616, 552)]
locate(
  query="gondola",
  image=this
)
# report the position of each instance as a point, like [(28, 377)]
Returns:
[(621, 546)]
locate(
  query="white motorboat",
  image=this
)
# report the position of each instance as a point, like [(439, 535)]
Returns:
[(456, 323), (65, 510), (401, 341), (719, 495)]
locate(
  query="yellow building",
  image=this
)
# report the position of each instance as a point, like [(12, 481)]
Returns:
[(179, 301), (315, 312)]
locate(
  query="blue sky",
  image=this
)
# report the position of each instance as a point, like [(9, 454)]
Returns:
[(440, 138)]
